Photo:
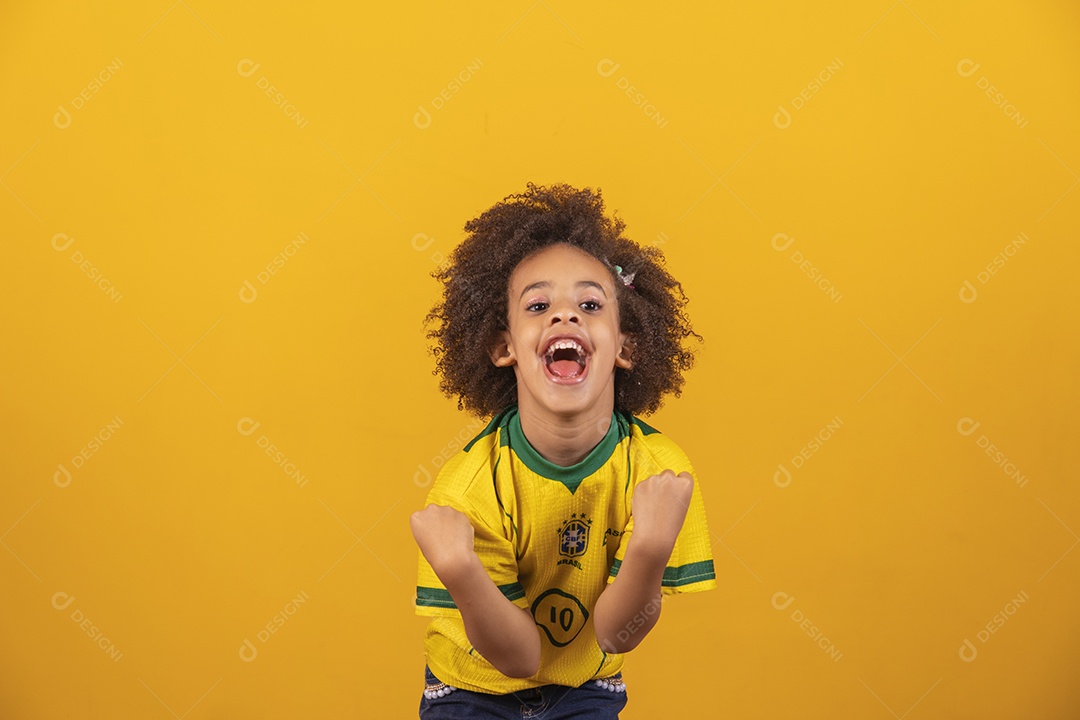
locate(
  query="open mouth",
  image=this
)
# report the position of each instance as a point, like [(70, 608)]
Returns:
[(566, 360)]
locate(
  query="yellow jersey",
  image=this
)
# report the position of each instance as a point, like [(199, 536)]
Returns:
[(552, 538)]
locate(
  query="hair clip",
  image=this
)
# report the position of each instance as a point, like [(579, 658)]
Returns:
[(626, 277)]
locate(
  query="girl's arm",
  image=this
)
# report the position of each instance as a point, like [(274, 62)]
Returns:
[(503, 633), (630, 606)]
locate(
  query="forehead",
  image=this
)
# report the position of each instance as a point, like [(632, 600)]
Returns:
[(560, 262)]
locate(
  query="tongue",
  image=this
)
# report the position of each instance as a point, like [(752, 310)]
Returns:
[(564, 368)]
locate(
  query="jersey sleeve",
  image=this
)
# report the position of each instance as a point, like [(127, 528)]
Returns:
[(491, 543), (690, 568)]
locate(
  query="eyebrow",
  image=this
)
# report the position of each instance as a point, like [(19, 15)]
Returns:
[(547, 284)]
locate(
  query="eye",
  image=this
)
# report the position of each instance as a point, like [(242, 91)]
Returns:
[(538, 306), (591, 305)]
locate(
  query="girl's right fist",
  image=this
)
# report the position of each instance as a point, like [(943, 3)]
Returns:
[(444, 535)]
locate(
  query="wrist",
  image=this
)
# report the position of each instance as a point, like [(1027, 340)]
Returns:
[(651, 547)]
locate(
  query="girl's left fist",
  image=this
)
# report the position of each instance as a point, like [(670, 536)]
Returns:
[(659, 506)]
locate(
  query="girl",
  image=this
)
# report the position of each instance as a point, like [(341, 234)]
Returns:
[(547, 542)]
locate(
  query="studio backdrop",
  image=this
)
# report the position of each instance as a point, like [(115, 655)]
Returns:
[(218, 403)]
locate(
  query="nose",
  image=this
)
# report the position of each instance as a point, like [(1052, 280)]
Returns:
[(565, 312)]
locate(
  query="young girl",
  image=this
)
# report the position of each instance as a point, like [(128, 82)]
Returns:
[(547, 542)]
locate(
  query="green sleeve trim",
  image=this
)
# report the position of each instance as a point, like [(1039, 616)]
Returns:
[(681, 575), (434, 597), (512, 591), (440, 597), (688, 574)]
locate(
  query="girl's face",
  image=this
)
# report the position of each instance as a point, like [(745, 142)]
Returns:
[(564, 341)]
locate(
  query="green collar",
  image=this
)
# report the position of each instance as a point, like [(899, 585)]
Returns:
[(570, 475)]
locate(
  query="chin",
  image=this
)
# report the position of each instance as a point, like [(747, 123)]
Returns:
[(573, 400)]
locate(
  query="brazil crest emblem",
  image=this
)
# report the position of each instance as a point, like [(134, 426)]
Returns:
[(574, 536)]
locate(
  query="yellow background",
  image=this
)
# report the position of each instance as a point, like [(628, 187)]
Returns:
[(179, 180)]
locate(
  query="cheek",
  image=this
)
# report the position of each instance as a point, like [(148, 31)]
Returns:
[(524, 343)]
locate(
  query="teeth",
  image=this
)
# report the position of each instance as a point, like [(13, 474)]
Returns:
[(564, 345)]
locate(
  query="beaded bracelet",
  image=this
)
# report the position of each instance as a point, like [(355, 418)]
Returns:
[(611, 684), (440, 690)]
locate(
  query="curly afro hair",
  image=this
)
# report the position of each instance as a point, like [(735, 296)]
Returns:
[(474, 306)]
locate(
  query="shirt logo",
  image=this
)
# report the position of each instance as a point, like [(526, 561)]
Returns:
[(574, 536)]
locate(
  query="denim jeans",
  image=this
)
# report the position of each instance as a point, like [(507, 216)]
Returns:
[(547, 702)]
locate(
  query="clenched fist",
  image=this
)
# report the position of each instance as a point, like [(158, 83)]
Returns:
[(445, 536), (659, 508)]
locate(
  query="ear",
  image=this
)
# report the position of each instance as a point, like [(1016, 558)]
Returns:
[(626, 350), (502, 354)]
